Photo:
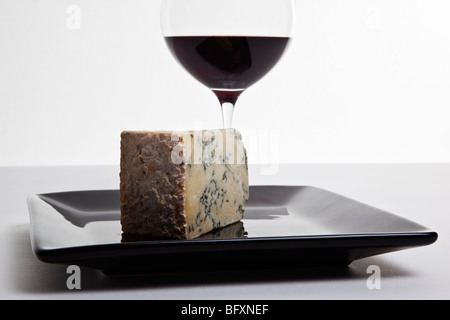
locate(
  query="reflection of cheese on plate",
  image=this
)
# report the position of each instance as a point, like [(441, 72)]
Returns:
[(179, 185)]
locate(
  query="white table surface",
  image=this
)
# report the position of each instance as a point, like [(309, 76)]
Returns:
[(419, 192)]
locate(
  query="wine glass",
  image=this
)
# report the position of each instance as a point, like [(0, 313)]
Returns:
[(228, 45)]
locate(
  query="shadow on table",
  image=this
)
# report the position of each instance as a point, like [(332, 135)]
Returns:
[(30, 275)]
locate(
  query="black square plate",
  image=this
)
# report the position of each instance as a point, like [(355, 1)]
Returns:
[(295, 226)]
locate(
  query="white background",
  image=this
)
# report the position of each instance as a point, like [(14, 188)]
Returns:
[(363, 81)]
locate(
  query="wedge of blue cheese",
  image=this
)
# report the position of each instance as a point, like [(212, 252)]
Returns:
[(180, 185)]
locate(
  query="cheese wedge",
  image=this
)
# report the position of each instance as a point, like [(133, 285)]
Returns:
[(180, 185)]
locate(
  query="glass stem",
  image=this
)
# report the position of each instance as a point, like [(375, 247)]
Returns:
[(227, 114)]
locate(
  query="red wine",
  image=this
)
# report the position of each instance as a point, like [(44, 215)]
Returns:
[(227, 65)]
